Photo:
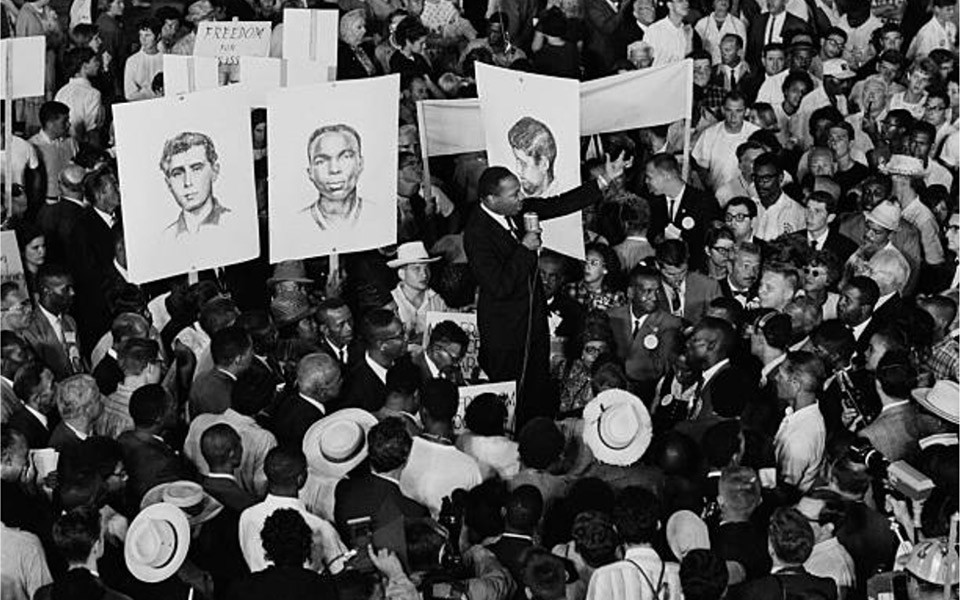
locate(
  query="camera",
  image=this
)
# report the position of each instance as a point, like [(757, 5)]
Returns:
[(898, 477)]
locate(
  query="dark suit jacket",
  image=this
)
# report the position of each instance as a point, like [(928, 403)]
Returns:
[(26, 423), (895, 433), (63, 439), (840, 245), (643, 365), (293, 418), (44, 341), (509, 551), (792, 582), (371, 496), (59, 222), (727, 292), (699, 206), (10, 401), (78, 581), (364, 389), (744, 543), (355, 353), (228, 492), (149, 461), (89, 256), (758, 28), (210, 393), (887, 314), (349, 66), (726, 394), (511, 299), (603, 45), (699, 293)]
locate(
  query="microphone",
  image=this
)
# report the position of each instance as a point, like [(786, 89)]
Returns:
[(531, 222)]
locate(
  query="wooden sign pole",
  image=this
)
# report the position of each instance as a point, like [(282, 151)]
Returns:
[(8, 130)]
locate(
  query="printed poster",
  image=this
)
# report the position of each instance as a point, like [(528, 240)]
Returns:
[(11, 269), (505, 389), (186, 177)]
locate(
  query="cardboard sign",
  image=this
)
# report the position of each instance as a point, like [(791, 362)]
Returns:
[(188, 74), (227, 41), (273, 73), (311, 35), (22, 61), (333, 185), (11, 269), (505, 389), (531, 124), (468, 323), (186, 179)]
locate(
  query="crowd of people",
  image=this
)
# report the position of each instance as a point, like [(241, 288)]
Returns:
[(748, 389)]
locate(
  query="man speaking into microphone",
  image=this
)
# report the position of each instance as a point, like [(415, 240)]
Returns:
[(511, 310)]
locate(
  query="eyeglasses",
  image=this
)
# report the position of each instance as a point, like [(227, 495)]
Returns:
[(935, 107), (592, 350), (454, 359), (594, 262), (736, 218), (815, 272), (836, 42)]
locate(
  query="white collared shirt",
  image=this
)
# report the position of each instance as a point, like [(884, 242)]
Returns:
[(502, 220), (637, 322), (80, 435), (318, 405), (434, 470), (84, 101), (431, 366), (799, 446), (251, 544), (379, 371), (709, 373), (673, 203), (819, 240), (106, 217), (716, 151), (54, 321), (770, 366), (774, 31), (40, 416), (228, 374), (893, 405), (414, 318), (670, 43), (858, 329), (786, 215)]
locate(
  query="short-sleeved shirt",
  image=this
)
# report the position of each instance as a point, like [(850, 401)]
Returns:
[(716, 151)]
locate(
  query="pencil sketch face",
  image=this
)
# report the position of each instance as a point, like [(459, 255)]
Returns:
[(335, 165), (190, 177), (534, 174)]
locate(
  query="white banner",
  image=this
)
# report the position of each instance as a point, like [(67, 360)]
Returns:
[(333, 170), (311, 35), (229, 40), (189, 201), (189, 74), (507, 390), (26, 59), (11, 268), (531, 126), (644, 98)]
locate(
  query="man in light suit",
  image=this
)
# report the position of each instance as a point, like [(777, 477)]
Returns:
[(894, 432), (52, 333), (647, 337), (684, 293)]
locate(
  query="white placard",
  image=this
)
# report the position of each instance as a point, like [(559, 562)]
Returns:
[(273, 73), (189, 74), (229, 40), (310, 34), (26, 61), (11, 268), (186, 178), (505, 389), (532, 126), (333, 167)]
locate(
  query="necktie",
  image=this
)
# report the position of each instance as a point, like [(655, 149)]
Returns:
[(636, 327), (770, 25), (733, 78), (513, 228), (813, 245), (673, 203)]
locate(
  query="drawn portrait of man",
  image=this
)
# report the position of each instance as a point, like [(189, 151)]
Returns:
[(190, 166), (535, 151), (335, 162)]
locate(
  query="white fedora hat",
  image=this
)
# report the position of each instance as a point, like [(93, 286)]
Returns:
[(617, 427), (410, 253), (337, 443), (157, 542), (943, 400), (196, 504)]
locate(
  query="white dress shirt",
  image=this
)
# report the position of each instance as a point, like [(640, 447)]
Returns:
[(327, 552), (670, 43), (799, 445), (711, 33), (786, 215), (922, 218), (379, 371), (434, 470), (86, 107), (716, 151)]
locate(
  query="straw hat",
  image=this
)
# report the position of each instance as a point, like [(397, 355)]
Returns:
[(291, 307), (157, 542), (886, 215), (411, 253), (901, 164), (617, 427), (943, 400), (337, 443), (198, 506)]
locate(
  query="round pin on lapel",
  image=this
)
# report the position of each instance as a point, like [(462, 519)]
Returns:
[(650, 342)]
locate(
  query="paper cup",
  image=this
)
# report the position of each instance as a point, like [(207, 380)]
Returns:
[(45, 461)]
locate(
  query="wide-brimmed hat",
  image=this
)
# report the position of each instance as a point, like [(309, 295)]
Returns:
[(411, 253), (198, 506), (617, 427), (943, 400), (886, 215), (289, 270), (157, 542), (291, 307), (337, 443), (837, 68), (931, 561), (901, 164)]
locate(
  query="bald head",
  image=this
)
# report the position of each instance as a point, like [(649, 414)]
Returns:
[(318, 376), (71, 180)]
